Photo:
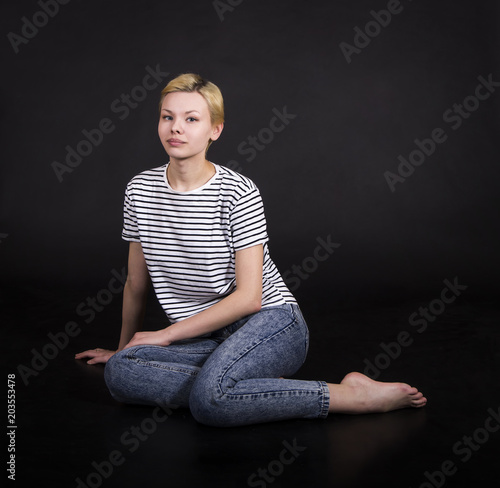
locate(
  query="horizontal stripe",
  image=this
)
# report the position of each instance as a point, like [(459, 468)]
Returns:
[(189, 239)]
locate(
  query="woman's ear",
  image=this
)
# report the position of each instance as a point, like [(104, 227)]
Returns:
[(216, 131)]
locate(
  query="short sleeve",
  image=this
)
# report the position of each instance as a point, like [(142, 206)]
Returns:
[(248, 222), (130, 230)]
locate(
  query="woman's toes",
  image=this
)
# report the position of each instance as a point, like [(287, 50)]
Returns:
[(419, 402)]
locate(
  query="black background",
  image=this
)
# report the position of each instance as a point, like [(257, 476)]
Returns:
[(322, 175)]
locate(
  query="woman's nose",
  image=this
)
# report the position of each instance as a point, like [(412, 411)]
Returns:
[(176, 126)]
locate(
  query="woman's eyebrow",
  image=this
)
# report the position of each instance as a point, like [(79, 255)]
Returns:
[(187, 112)]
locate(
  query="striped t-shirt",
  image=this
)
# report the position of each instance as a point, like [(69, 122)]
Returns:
[(189, 238)]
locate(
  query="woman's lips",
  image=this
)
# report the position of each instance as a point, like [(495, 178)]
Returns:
[(175, 142)]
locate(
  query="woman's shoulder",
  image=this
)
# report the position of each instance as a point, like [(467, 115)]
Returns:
[(231, 178), (148, 176)]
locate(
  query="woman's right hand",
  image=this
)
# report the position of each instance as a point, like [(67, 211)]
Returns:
[(96, 355)]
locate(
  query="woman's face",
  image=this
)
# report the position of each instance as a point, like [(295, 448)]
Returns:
[(185, 126)]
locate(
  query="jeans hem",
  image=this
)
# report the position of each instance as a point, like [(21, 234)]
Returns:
[(324, 400)]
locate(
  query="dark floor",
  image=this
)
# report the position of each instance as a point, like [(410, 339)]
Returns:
[(69, 429)]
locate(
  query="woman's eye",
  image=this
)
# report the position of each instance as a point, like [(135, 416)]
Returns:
[(191, 119), (167, 117)]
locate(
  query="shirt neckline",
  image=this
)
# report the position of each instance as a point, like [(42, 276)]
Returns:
[(195, 190)]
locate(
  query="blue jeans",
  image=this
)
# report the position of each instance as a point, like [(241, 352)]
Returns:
[(231, 377)]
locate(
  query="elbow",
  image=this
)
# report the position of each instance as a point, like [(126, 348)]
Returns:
[(248, 303), (254, 306), (138, 287)]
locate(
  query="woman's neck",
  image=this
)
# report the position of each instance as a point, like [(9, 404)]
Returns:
[(186, 175)]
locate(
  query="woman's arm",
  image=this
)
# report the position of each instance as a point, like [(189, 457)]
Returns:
[(135, 296), (245, 300)]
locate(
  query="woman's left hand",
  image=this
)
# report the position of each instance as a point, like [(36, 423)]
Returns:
[(156, 338)]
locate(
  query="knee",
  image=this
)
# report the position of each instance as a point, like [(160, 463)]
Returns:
[(206, 406), (114, 367), (115, 374)]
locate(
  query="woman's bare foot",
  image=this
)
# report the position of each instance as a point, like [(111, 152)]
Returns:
[(357, 393)]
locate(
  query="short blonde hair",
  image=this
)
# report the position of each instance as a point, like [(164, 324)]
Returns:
[(190, 82)]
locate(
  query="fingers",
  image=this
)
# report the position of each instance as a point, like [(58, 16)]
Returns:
[(90, 353), (95, 360), (100, 358), (84, 354), (96, 355)]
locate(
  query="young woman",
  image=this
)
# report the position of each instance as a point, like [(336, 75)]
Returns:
[(197, 231)]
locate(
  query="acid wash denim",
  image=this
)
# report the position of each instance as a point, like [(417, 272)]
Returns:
[(231, 377)]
